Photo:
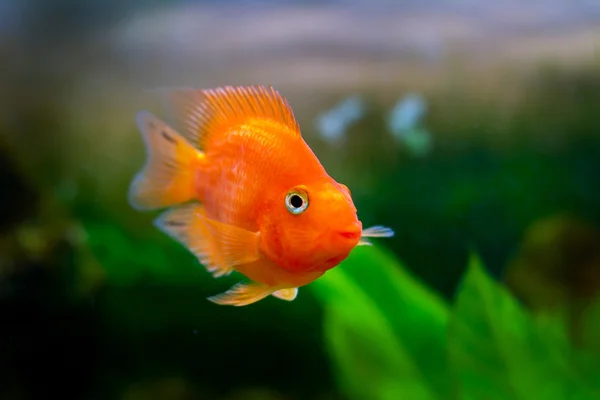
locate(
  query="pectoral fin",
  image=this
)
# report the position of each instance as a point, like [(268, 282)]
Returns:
[(374, 231), (286, 294), (218, 246), (242, 294), (377, 231)]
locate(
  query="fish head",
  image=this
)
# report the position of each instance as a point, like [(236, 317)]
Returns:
[(311, 227)]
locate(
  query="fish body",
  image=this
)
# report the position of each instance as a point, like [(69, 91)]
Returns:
[(245, 192)]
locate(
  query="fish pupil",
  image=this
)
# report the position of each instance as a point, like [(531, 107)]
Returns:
[(296, 201)]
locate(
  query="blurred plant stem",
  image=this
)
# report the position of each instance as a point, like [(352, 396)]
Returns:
[(557, 267)]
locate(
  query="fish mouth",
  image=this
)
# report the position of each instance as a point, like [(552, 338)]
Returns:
[(352, 232)]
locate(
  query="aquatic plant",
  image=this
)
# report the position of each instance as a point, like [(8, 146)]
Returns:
[(392, 338)]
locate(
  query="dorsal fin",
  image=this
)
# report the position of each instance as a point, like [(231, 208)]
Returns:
[(203, 112)]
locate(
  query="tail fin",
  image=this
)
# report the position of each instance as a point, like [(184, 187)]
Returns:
[(168, 177)]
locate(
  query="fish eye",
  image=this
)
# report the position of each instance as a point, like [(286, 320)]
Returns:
[(296, 201)]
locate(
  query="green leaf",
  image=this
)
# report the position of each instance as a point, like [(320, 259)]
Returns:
[(587, 355), (384, 329), (497, 351)]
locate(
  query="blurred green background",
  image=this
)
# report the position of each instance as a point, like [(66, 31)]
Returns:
[(471, 129)]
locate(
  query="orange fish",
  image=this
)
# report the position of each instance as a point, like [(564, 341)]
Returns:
[(245, 192)]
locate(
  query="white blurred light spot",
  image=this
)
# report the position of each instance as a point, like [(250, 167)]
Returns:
[(332, 124), (404, 122)]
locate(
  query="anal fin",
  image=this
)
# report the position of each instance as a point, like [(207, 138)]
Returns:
[(242, 294), (218, 246), (286, 294)]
